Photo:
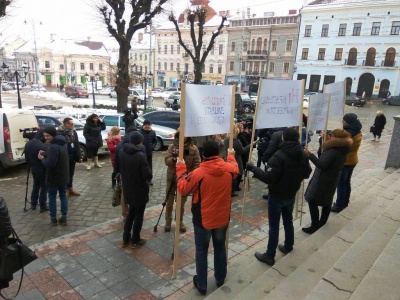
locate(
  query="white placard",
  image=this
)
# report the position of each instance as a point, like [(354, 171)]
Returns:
[(279, 103), (207, 109), (318, 112), (336, 89)]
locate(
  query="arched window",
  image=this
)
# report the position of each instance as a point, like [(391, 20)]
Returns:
[(389, 57), (259, 45), (253, 44), (370, 61), (265, 47), (352, 59)]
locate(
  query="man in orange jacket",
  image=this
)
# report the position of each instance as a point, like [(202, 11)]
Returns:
[(211, 205)]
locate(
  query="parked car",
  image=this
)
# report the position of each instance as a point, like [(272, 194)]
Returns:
[(113, 94), (243, 101), (13, 85), (169, 100), (394, 100), (5, 86), (37, 88), (165, 135), (158, 90), (139, 93), (253, 96), (167, 118), (169, 91), (76, 92), (355, 101)]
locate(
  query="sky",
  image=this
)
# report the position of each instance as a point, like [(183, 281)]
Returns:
[(76, 19)]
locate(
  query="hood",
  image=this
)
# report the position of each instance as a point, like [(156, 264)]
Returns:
[(90, 122), (292, 149), (353, 128), (214, 166), (59, 140), (343, 145), (131, 149)]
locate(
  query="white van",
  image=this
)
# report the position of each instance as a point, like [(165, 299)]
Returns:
[(12, 142)]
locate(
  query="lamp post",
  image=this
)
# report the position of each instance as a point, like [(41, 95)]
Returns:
[(146, 78), (92, 79), (18, 75)]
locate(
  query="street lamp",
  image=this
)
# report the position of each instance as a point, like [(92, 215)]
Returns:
[(18, 75), (92, 79), (149, 77)]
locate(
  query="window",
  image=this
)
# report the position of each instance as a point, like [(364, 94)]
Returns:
[(47, 64), (371, 53), (243, 66), (389, 57), (289, 45), (250, 66), (140, 56), (231, 65), (219, 69), (178, 67), (271, 67), (321, 54), (352, 58), (342, 29), (376, 26), (135, 56), (307, 32), (211, 69), (172, 49), (256, 68), (265, 47), (212, 49), (61, 67), (171, 67), (159, 50), (286, 67), (100, 67), (186, 68), (325, 29), (203, 68), (159, 65), (178, 49), (338, 53), (165, 49), (253, 44), (82, 66), (220, 49), (304, 54), (233, 46), (259, 45), (395, 28), (357, 29), (274, 44), (165, 66), (91, 67), (244, 46), (73, 66)]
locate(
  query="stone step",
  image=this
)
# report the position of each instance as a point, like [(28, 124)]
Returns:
[(371, 180), (382, 280), (273, 277)]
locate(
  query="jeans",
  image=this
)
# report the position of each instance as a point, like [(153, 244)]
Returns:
[(276, 208), (134, 222), (202, 239), (62, 192), (71, 173), (344, 187), (39, 189)]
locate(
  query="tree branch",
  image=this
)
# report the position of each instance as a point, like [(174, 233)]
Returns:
[(213, 37), (175, 22)]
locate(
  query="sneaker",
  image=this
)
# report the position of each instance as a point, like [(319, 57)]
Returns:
[(283, 249), (63, 220), (44, 209), (202, 292), (125, 244), (138, 244), (33, 207), (53, 221), (219, 284), (263, 257)]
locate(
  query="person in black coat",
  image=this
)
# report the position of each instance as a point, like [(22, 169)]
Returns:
[(56, 161), (135, 173), (322, 186), (379, 125), (92, 133), (286, 169), (149, 142), (129, 117), (273, 145), (38, 170)]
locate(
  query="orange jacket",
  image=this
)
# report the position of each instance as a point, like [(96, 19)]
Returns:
[(211, 185)]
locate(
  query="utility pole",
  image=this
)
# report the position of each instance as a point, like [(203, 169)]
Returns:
[(36, 53)]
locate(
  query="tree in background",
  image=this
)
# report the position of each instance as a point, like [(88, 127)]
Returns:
[(197, 17), (3, 6), (140, 16)]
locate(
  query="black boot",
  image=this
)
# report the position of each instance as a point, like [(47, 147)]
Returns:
[(326, 211)]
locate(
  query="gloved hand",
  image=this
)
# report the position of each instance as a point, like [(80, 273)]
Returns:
[(250, 166)]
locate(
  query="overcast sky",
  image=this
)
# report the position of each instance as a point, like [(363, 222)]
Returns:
[(77, 19)]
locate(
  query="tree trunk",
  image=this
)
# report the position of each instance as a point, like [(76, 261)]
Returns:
[(197, 73), (123, 76)]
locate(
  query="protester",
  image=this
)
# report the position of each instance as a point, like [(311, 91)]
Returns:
[(211, 205), (322, 186), (56, 160), (149, 142), (199, 142), (219, 138), (74, 151), (192, 159), (264, 136), (134, 105), (379, 125), (353, 126), (38, 170), (175, 105), (92, 132), (114, 138), (135, 173), (129, 117), (286, 170), (273, 145)]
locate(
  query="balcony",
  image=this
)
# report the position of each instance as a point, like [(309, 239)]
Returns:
[(185, 55), (257, 54)]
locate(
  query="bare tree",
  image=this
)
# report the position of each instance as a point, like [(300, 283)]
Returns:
[(3, 6), (198, 17), (112, 13)]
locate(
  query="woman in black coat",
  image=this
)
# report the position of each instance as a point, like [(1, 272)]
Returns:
[(322, 186), (379, 125), (92, 133)]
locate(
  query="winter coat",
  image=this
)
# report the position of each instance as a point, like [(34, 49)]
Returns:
[(211, 185), (118, 148), (150, 140), (191, 156), (74, 150), (135, 172), (57, 162), (286, 170), (92, 133), (112, 143), (239, 151), (322, 186), (355, 130), (379, 124), (273, 146), (129, 120), (31, 151)]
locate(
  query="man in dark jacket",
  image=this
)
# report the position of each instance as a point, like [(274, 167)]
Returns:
[(286, 170), (74, 151), (273, 145), (57, 163), (129, 117), (39, 190), (149, 142), (135, 173)]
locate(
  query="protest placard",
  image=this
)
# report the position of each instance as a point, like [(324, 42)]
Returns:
[(338, 97), (318, 112)]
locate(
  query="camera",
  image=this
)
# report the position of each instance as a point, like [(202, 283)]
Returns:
[(29, 133), (128, 111)]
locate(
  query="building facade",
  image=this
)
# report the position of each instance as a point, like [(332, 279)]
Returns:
[(356, 41), (141, 59)]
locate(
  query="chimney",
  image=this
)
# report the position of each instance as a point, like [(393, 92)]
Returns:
[(292, 11), (140, 37)]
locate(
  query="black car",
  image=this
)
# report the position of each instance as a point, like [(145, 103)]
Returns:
[(391, 101), (165, 118), (355, 101), (243, 103)]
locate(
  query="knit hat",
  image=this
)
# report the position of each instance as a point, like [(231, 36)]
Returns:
[(50, 130), (350, 118), (291, 134), (210, 148), (135, 137), (340, 133), (146, 122)]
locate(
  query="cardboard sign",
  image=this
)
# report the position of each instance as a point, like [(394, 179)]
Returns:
[(318, 112), (207, 109), (338, 98), (279, 104)]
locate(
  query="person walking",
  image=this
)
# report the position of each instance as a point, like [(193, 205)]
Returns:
[(149, 142), (135, 174), (211, 206), (56, 160), (74, 151), (285, 171), (92, 133), (192, 160), (114, 138), (38, 170), (379, 125), (353, 126), (322, 186)]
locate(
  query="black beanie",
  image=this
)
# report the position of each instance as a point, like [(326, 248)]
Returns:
[(135, 137), (146, 122), (210, 148), (291, 134), (50, 130), (350, 118)]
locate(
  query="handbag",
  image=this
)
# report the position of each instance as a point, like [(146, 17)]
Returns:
[(372, 129), (116, 199)]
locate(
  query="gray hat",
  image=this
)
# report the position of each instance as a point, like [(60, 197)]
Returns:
[(135, 137)]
